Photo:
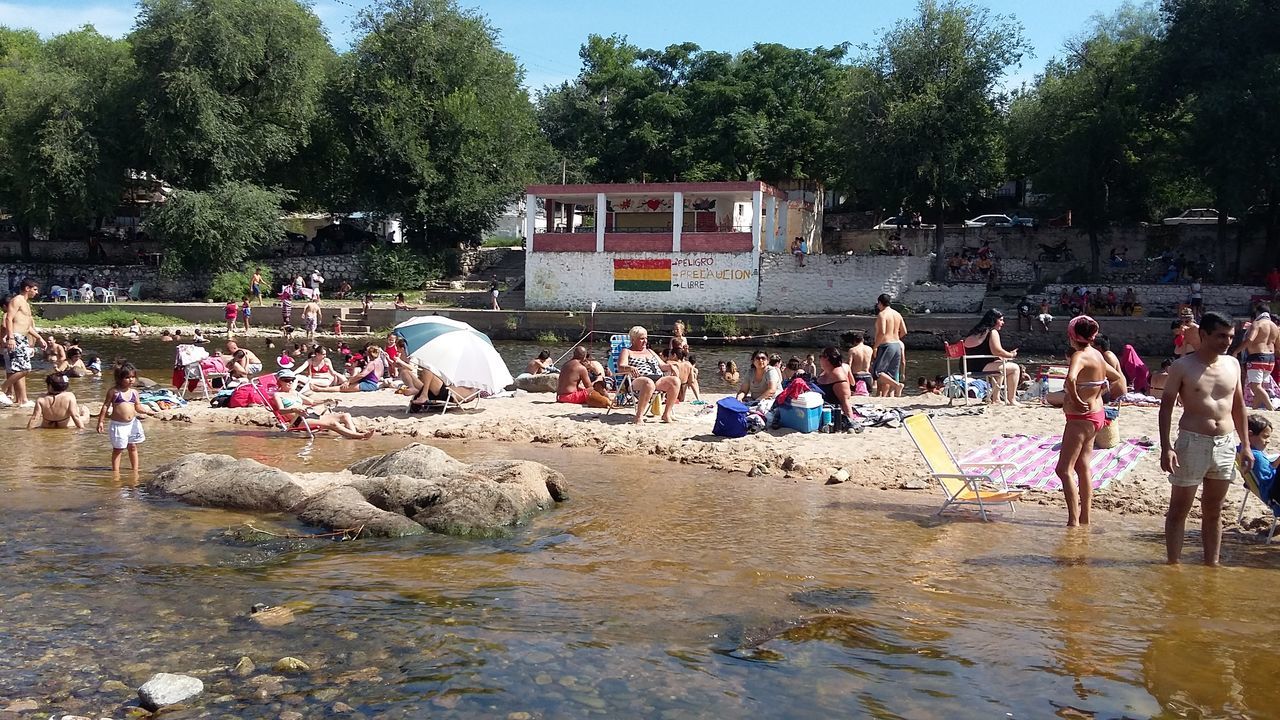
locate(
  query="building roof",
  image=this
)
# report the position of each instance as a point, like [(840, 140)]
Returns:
[(700, 188)]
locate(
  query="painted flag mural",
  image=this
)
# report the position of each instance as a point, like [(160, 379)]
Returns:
[(642, 275)]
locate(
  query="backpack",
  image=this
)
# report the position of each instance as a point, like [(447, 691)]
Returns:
[(731, 419)]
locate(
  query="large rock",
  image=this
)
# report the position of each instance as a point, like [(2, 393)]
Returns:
[(543, 383), (167, 689), (406, 492)]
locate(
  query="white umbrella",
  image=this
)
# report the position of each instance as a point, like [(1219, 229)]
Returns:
[(459, 353)]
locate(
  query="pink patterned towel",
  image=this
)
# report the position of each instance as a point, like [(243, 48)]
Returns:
[(1036, 458)]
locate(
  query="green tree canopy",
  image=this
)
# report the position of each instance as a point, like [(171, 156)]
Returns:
[(65, 143), (1083, 131), (924, 115), (217, 229), (441, 130), (228, 87)]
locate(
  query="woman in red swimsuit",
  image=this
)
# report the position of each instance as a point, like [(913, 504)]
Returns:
[(1087, 376)]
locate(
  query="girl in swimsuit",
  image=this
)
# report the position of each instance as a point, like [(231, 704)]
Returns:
[(57, 409), (1087, 376), (124, 406)]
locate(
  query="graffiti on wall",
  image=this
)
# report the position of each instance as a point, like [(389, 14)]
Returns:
[(683, 272)]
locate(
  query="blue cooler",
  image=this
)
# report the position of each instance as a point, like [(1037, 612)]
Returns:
[(803, 414)]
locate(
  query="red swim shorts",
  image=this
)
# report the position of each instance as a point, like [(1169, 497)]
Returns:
[(577, 397)]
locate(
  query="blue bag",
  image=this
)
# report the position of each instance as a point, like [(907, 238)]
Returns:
[(731, 419)]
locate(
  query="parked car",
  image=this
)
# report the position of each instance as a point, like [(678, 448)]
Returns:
[(989, 221), (1024, 221), (1196, 216), (892, 224)]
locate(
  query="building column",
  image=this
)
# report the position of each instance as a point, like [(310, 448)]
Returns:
[(784, 241), (530, 220), (601, 217), (757, 198), (771, 223), (677, 221)]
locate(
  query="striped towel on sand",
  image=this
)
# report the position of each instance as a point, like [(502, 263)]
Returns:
[(1036, 458)]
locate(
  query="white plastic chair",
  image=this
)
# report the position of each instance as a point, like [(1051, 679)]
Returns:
[(105, 295), (58, 294)]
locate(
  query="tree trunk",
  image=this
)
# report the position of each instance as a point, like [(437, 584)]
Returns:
[(1220, 272), (1095, 254), (24, 240)]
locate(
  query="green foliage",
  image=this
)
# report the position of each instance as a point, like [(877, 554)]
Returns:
[(228, 87), (235, 284), (547, 337), (923, 120), (437, 126), (219, 229), (387, 265), (117, 317), (64, 127), (689, 114), (717, 324), (502, 240)]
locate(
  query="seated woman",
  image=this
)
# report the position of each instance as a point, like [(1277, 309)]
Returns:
[(58, 407), (762, 381), (649, 374), (324, 378), (400, 304), (434, 387), (835, 381), (294, 408), (406, 370), (984, 340), (369, 377)]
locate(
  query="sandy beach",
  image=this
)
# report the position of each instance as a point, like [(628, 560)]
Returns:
[(879, 457)]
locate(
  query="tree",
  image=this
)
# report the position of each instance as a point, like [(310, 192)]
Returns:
[(217, 229), (1082, 132), (228, 87), (441, 130), (64, 139), (1222, 80), (924, 120)]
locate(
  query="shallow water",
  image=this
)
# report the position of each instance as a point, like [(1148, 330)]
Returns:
[(657, 591)]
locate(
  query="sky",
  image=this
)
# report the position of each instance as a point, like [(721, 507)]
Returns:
[(546, 36)]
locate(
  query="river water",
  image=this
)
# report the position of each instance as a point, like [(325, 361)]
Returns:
[(656, 591)]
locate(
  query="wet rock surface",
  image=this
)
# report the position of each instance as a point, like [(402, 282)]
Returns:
[(168, 689), (410, 491)]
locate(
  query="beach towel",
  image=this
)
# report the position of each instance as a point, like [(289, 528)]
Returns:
[(1036, 458), (1134, 369)]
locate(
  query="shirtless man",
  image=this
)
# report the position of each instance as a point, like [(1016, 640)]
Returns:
[(253, 364), (575, 382), (54, 353), (541, 364), (19, 329), (860, 361), (1260, 354), (311, 318), (890, 361), (1208, 383)]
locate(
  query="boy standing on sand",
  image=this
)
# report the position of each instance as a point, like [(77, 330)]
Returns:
[(1209, 435)]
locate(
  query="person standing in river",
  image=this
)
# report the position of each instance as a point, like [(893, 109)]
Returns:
[(890, 360), (1260, 354), (1207, 450), (18, 331)]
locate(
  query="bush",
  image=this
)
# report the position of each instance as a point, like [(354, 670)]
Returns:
[(235, 284), (548, 337), (218, 229), (392, 266), (715, 324)]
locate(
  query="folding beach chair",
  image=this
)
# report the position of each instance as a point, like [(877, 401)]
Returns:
[(961, 484), (1251, 488), (301, 427), (620, 395), (955, 351), (197, 370), (456, 401)]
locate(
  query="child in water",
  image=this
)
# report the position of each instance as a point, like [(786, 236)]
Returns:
[(124, 405)]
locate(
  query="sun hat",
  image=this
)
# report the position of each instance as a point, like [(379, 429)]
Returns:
[(285, 374)]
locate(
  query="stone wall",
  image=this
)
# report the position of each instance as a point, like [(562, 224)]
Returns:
[(703, 282), (835, 283), (944, 298), (1164, 299)]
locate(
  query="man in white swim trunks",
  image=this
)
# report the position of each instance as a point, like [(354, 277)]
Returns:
[(1260, 354), (252, 363), (1208, 383), (18, 332)]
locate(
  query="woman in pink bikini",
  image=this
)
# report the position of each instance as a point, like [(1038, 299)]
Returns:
[(1088, 376)]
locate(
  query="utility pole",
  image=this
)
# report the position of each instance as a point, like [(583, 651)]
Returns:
[(564, 171)]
